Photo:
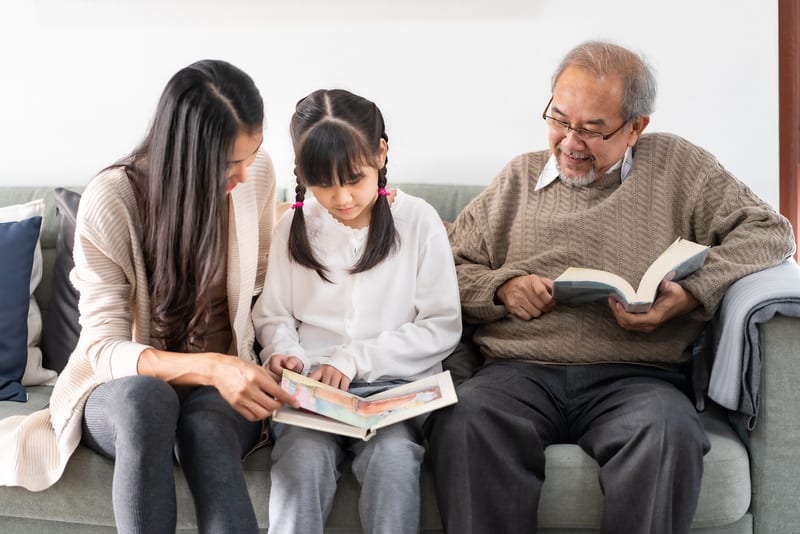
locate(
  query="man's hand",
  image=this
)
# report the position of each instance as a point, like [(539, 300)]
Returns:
[(278, 362), (526, 296), (328, 374), (672, 301)]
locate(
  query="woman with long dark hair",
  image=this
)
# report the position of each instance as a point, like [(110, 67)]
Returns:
[(171, 246)]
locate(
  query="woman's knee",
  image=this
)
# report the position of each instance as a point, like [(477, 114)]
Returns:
[(140, 400), (134, 410)]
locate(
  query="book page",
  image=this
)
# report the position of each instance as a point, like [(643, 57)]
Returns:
[(418, 397), (325, 400), (579, 285), (680, 259), (374, 411)]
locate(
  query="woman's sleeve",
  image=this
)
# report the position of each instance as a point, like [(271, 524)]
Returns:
[(105, 278)]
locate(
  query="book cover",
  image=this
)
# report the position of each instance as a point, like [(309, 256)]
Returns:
[(579, 285), (330, 409)]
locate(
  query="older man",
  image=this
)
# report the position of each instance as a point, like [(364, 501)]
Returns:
[(604, 196)]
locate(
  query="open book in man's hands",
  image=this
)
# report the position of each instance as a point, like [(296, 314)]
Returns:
[(578, 285), (330, 409)]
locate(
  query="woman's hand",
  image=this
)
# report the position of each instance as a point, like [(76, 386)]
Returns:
[(278, 362), (249, 388), (328, 374)]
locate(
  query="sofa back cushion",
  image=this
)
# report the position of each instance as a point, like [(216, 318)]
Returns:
[(61, 328)]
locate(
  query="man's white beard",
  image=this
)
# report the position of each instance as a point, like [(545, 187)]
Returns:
[(578, 181)]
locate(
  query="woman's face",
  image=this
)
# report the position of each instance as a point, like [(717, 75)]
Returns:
[(244, 153)]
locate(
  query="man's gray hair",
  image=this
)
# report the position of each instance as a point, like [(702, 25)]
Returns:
[(602, 59)]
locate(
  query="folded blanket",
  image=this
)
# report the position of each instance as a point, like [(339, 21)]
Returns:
[(736, 369)]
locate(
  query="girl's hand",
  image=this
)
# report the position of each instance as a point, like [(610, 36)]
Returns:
[(278, 362), (249, 388), (328, 374)]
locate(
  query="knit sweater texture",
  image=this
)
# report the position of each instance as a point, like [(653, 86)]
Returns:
[(674, 189)]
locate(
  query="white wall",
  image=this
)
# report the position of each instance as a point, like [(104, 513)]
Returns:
[(462, 83)]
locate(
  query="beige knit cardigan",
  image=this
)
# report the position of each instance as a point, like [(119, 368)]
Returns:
[(674, 188), (114, 309)]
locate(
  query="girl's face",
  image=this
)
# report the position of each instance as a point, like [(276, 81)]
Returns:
[(351, 203), (244, 153)]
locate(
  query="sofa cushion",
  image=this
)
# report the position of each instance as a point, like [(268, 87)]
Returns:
[(571, 496), (61, 328), (20, 319)]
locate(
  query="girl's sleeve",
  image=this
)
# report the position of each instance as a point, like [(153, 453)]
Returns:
[(419, 345), (273, 316)]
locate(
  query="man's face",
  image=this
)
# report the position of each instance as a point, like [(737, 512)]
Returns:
[(585, 101)]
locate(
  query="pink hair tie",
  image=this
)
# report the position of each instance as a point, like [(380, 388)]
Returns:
[(383, 192), (297, 205)]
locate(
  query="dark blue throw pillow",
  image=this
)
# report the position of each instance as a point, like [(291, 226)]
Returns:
[(17, 244)]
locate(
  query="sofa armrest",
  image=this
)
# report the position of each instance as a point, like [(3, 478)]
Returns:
[(775, 472)]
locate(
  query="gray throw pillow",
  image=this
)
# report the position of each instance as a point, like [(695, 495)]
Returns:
[(61, 330)]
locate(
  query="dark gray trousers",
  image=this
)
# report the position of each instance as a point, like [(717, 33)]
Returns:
[(138, 421), (488, 450)]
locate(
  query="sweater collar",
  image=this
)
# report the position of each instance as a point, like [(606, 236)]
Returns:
[(550, 171)]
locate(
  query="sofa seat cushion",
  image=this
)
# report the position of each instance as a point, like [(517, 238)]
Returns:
[(571, 497)]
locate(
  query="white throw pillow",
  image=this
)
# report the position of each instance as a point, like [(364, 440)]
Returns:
[(35, 374)]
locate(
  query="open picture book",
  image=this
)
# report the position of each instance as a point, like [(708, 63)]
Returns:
[(329, 409), (578, 285)]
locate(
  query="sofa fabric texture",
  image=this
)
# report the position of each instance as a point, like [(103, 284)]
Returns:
[(743, 491)]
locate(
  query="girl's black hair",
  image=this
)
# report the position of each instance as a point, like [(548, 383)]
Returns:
[(179, 178), (334, 133)]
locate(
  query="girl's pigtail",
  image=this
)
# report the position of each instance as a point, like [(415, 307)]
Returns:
[(382, 236), (299, 246)]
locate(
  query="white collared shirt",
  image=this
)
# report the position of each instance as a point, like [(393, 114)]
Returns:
[(551, 172)]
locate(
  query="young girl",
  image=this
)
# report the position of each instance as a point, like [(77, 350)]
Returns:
[(360, 294)]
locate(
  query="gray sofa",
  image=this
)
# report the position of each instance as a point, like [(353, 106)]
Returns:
[(744, 490)]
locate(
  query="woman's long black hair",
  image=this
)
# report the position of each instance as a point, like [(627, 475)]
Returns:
[(179, 178), (334, 133)]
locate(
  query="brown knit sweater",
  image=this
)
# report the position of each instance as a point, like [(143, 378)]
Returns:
[(674, 189)]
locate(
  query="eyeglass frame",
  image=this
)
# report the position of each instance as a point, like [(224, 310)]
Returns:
[(592, 134)]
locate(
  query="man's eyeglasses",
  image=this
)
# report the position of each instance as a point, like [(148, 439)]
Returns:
[(564, 127)]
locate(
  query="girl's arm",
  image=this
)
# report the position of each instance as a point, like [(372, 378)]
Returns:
[(273, 314)]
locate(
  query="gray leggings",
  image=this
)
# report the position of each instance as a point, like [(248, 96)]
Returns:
[(138, 421)]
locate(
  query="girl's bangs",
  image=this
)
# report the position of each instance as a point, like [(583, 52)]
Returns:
[(332, 154)]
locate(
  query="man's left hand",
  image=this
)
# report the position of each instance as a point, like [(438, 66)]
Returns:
[(673, 300)]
